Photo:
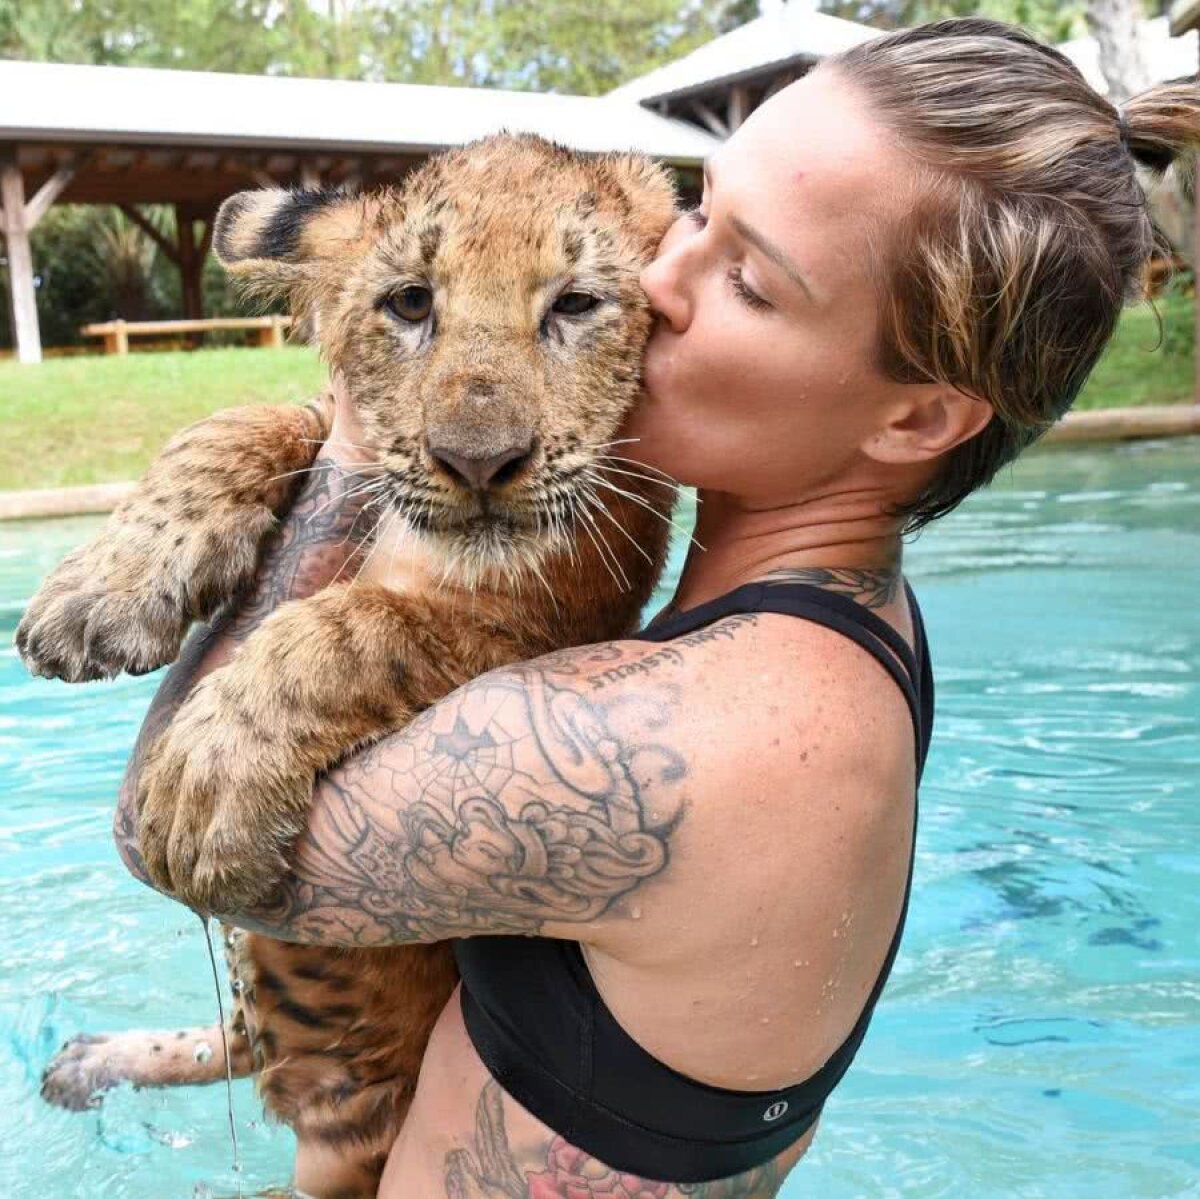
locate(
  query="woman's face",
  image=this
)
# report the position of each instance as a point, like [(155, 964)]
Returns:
[(760, 376)]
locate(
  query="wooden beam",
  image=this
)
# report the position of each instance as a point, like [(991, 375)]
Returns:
[(778, 84), (22, 297), (710, 118), (190, 264), (1184, 15), (45, 195), (201, 160), (160, 239), (205, 241), (739, 106)]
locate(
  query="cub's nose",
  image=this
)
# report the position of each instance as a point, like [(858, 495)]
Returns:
[(480, 473)]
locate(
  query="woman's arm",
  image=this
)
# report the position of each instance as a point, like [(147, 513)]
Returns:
[(315, 542)]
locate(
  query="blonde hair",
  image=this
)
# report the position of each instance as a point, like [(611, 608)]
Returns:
[(1029, 231)]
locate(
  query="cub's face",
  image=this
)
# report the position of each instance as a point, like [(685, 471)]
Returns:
[(488, 320)]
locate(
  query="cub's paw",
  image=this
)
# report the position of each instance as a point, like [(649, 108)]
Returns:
[(80, 1072), (77, 631), (220, 803), (125, 602)]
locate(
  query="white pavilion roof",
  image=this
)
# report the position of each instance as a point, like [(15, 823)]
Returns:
[(60, 102), (787, 33)]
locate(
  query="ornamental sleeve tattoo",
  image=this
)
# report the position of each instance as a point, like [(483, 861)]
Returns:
[(527, 801), (319, 536)]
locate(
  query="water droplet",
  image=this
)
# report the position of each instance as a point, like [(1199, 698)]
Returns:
[(202, 1051), (765, 1020), (797, 962), (753, 942), (636, 913)]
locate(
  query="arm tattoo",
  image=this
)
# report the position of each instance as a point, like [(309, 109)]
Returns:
[(316, 540), (871, 588), (556, 1169), (516, 802)]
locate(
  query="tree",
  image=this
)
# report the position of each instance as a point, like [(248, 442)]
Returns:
[(570, 45), (1114, 25), (1050, 19)]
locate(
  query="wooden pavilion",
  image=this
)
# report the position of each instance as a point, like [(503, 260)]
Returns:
[(133, 136), (721, 83)]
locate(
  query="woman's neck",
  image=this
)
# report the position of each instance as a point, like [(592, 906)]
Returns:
[(848, 532)]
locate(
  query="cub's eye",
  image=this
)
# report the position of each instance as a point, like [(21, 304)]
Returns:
[(574, 303), (413, 304)]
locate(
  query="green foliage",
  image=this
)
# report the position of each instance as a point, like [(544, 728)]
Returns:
[(1053, 20), (569, 45), (93, 264)]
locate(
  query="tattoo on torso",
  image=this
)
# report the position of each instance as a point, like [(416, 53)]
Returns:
[(550, 1167), (871, 588)]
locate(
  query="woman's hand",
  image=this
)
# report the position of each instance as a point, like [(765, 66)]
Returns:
[(347, 441)]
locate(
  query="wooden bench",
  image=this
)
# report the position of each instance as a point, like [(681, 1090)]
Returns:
[(116, 334)]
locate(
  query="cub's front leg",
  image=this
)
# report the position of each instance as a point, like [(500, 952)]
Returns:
[(225, 790), (185, 542)]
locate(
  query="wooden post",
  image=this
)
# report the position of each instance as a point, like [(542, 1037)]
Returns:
[(189, 268), (739, 106), (22, 298)]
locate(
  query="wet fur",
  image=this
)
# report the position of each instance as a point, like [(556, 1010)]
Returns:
[(338, 1035)]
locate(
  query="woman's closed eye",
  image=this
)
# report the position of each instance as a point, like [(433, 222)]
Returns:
[(741, 288), (744, 292)]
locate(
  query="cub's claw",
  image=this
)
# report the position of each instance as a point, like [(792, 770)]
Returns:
[(126, 601), (218, 807), (79, 1074), (93, 634)]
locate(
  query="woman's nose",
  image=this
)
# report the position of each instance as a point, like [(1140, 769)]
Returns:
[(666, 289)]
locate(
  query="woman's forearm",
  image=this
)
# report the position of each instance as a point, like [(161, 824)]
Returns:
[(314, 543)]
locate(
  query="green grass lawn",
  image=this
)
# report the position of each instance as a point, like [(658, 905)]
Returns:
[(1143, 367), (95, 419)]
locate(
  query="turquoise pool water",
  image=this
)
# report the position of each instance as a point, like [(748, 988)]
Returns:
[(1040, 1036)]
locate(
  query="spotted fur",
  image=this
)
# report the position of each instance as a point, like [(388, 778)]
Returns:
[(498, 231)]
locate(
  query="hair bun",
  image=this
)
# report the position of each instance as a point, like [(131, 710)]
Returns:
[(1162, 124), (1155, 155)]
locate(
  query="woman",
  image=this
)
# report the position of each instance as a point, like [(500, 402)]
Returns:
[(902, 271)]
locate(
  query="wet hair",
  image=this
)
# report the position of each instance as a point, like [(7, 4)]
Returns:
[(1028, 230)]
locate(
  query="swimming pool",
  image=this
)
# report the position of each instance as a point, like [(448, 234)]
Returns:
[(1041, 1034)]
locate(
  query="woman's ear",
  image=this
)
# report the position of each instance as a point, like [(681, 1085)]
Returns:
[(929, 421)]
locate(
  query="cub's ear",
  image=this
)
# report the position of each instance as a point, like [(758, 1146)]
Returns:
[(277, 237), (649, 189)]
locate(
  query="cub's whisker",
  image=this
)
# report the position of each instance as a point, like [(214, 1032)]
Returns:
[(644, 465), (630, 474), (649, 508), (595, 502)]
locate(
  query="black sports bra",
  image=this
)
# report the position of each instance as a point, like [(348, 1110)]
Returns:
[(540, 1026)]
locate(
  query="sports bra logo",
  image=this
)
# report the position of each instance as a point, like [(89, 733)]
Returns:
[(775, 1111)]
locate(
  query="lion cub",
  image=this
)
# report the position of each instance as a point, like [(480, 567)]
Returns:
[(488, 321)]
